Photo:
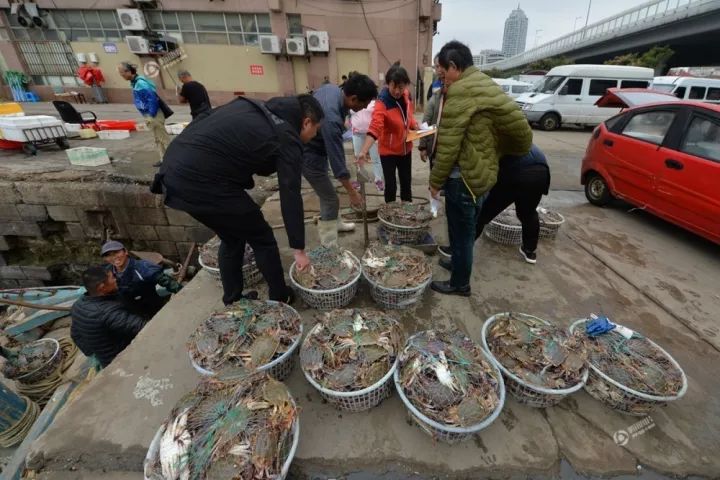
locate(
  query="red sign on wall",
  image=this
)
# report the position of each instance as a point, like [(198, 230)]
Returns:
[(257, 70)]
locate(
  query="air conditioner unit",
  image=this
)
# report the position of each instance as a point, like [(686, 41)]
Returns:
[(131, 19), (295, 46), (318, 41), (138, 44), (270, 44)]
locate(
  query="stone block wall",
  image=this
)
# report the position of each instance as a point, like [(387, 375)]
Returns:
[(84, 213)]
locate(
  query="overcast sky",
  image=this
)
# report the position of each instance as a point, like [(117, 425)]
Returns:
[(480, 23)]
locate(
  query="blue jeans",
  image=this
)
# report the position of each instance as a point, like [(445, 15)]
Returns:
[(462, 212)]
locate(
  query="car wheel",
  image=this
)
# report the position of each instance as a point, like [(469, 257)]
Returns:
[(550, 122), (597, 191)]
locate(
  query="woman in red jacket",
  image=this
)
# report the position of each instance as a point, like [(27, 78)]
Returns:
[(391, 121)]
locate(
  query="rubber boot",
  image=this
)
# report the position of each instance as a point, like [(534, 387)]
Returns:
[(328, 230)]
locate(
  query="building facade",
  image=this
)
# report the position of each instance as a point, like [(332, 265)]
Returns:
[(515, 35), (220, 42), (488, 56)]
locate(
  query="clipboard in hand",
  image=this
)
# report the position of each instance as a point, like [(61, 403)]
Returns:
[(417, 134)]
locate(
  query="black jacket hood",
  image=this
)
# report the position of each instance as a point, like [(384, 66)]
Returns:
[(287, 108)]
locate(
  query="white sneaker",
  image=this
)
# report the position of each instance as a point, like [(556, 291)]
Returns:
[(345, 227)]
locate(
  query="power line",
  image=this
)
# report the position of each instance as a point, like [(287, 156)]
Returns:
[(367, 23)]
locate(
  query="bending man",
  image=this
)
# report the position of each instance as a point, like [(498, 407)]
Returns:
[(210, 165), (355, 95)]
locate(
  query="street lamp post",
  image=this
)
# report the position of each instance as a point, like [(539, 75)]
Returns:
[(587, 18), (575, 24)]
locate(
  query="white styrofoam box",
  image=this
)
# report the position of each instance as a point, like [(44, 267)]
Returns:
[(88, 156), (73, 127), (113, 134), (175, 128)]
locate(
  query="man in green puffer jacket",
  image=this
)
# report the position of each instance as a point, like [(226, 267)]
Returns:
[(479, 124)]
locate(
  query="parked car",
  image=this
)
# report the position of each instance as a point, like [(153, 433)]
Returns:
[(568, 94), (662, 154), (512, 87), (690, 88)]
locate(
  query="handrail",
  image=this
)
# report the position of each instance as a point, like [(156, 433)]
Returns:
[(647, 15)]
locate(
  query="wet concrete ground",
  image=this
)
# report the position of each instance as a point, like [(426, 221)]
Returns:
[(639, 270)]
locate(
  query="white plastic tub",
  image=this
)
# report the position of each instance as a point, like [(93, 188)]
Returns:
[(88, 156), (113, 134)]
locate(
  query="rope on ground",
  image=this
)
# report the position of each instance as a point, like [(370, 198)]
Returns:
[(17, 432), (43, 390)]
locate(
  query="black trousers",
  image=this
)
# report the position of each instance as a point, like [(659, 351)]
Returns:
[(235, 230), (402, 164), (524, 188)]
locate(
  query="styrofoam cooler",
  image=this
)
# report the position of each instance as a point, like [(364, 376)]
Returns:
[(114, 134), (88, 156), (12, 128)]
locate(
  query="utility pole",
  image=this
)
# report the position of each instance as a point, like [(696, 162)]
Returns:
[(587, 18), (537, 36)]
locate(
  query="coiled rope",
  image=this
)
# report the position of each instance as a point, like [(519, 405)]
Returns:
[(42, 390), (17, 432)]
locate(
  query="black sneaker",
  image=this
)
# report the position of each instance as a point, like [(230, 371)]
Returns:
[(291, 298), (530, 257), (446, 289), (157, 164), (445, 251)]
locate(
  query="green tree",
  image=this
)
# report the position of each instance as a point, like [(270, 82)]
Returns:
[(655, 58)]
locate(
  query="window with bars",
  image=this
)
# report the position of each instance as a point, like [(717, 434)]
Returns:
[(210, 27), (187, 27), (295, 27)]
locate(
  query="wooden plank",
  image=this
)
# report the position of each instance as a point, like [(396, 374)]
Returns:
[(16, 466), (37, 319)]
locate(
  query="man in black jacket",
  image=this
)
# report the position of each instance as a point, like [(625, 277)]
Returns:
[(211, 163), (102, 324)]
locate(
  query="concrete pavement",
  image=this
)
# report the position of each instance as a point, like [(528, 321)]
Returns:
[(638, 270)]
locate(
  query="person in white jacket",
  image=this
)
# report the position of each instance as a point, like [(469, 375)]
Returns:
[(359, 123)]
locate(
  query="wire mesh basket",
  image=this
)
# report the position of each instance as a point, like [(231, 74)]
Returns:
[(328, 299), (152, 458), (444, 433), (251, 273), (401, 235), (47, 368), (550, 222), (280, 368), (624, 399), (396, 298), (510, 234), (524, 392), (360, 400)]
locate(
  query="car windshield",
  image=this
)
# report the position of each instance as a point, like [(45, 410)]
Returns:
[(662, 87), (520, 88), (550, 84)]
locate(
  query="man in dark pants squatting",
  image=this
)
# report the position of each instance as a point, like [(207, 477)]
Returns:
[(210, 165)]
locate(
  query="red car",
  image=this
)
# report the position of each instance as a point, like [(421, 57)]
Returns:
[(661, 154)]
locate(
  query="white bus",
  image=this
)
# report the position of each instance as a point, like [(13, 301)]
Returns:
[(568, 94), (690, 88)]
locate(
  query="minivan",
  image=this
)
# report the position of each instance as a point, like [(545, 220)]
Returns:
[(568, 94), (690, 88), (513, 88)]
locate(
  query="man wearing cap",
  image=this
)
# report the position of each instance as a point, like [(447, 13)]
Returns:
[(137, 278)]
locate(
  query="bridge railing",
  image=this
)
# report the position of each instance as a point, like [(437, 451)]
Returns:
[(647, 15)]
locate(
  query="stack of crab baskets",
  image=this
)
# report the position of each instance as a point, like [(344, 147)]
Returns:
[(511, 234), (251, 272), (332, 298), (524, 392), (280, 368), (360, 400), (400, 235), (396, 298), (622, 398)]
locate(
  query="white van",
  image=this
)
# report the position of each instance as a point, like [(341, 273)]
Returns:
[(690, 88), (568, 94), (512, 87)]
